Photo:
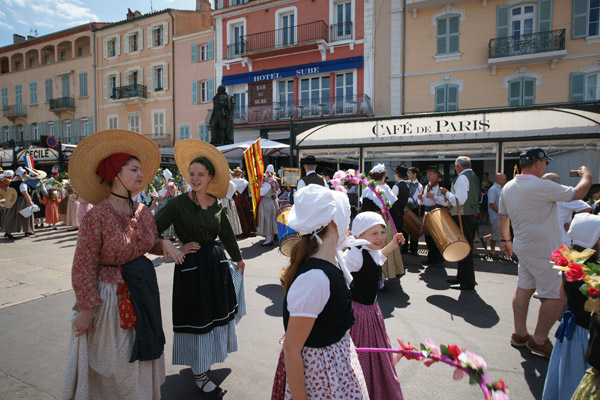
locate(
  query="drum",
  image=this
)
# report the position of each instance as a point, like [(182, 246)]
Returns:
[(447, 236), (287, 236), (413, 224)]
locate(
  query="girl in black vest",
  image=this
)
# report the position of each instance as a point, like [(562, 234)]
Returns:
[(319, 356), (364, 262)]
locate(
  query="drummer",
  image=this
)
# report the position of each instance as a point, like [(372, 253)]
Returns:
[(431, 199)]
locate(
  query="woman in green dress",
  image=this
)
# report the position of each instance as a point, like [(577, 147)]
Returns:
[(204, 299)]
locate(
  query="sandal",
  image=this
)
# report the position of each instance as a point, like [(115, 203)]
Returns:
[(215, 394)]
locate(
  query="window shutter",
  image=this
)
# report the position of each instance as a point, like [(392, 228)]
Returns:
[(580, 18), (211, 89), (90, 125), (165, 76), (194, 92), (165, 32), (150, 37), (77, 129), (577, 86), (211, 49), (105, 86), (442, 35), (105, 48), (514, 92), (503, 21), (140, 33), (126, 43), (454, 34), (194, 53), (140, 72), (150, 79), (60, 130), (42, 129), (544, 15), (440, 98), (528, 91), (452, 97), (117, 45), (118, 76)]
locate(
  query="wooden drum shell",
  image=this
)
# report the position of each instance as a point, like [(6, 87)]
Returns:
[(447, 236)]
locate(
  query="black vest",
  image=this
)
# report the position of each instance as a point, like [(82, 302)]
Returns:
[(366, 281), (314, 179), (16, 185), (403, 194), (337, 316), (576, 302)]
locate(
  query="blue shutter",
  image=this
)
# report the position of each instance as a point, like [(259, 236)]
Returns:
[(181, 133), (453, 33), (211, 89), (544, 15), (440, 98), (577, 86), (503, 21), (441, 37), (211, 49), (42, 128), (77, 129), (580, 18), (194, 53), (514, 92), (194, 92), (528, 91), (451, 97), (91, 128), (59, 136)]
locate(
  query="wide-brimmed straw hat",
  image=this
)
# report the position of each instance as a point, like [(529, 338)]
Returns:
[(35, 173), (10, 197), (189, 149), (96, 147)]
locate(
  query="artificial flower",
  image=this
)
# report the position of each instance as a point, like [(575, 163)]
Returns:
[(473, 360), (500, 385), (593, 291), (575, 272), (458, 374), (561, 261), (339, 175), (454, 351), (433, 349), (497, 395)]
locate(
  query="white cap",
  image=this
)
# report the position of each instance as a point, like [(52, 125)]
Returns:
[(20, 171), (378, 168), (270, 168), (365, 221), (9, 173), (585, 230), (167, 174)]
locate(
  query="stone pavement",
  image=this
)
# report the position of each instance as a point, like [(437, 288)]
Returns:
[(36, 298)]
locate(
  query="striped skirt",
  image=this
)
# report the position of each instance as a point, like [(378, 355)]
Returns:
[(393, 266)]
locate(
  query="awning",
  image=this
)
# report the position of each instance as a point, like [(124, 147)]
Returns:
[(270, 148)]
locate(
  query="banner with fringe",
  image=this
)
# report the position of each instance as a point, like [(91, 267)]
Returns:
[(255, 170)]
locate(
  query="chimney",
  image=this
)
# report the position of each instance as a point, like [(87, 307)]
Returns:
[(129, 13), (18, 39), (203, 6), (30, 37)]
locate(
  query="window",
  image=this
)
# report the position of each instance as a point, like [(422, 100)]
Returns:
[(342, 28), (4, 97), (448, 34), (134, 121), (204, 53), (204, 92), (239, 109), (112, 85), (19, 133), (285, 93), (19, 98), (184, 132), (113, 121), (83, 86), (66, 92), (203, 133), (18, 65), (112, 46), (237, 44), (63, 55), (68, 132), (522, 20), (158, 124), (33, 93), (521, 91), (47, 59), (132, 77), (314, 90), (79, 51), (31, 62), (158, 79), (584, 87), (48, 89), (35, 133), (286, 32), (446, 97), (585, 18), (344, 93), (6, 134), (85, 127), (133, 42), (157, 36), (50, 129)]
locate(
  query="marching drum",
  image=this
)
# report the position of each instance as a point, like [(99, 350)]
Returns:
[(287, 236), (447, 236), (413, 224)]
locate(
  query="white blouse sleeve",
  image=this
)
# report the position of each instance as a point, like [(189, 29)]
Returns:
[(308, 294), (353, 259), (23, 187), (264, 189)]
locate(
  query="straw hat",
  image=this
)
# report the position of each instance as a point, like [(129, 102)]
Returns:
[(188, 149), (35, 173), (96, 147), (10, 197)]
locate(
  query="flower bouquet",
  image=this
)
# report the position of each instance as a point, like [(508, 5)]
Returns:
[(577, 268), (464, 361)]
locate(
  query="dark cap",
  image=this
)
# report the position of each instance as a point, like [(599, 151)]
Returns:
[(328, 172), (401, 170), (534, 154), (308, 160)]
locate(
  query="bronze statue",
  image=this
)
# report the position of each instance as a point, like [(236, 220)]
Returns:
[(221, 119)]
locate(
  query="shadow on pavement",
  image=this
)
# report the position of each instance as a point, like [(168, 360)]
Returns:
[(256, 250), (469, 306), (535, 369), (275, 293), (182, 385), (66, 236), (392, 297), (435, 278)]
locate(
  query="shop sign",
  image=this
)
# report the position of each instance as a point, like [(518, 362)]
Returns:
[(260, 94), (39, 154), (465, 124)]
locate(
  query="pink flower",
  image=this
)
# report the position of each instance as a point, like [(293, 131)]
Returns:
[(458, 374), (497, 395), (355, 180), (433, 349), (473, 360), (339, 175)]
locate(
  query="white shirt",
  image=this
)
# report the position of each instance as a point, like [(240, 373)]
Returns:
[(240, 183), (265, 188), (23, 187), (353, 257), (231, 190), (461, 190), (565, 215), (301, 183), (395, 188), (437, 197), (388, 195), (493, 198), (308, 294)]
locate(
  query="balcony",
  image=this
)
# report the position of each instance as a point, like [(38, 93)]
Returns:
[(305, 35), (15, 111), (129, 92), (62, 104), (321, 108), (535, 47), (161, 140), (341, 31)]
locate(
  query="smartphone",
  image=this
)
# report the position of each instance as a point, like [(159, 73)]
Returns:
[(574, 173)]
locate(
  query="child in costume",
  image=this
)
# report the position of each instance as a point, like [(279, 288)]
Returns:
[(51, 200), (364, 260)]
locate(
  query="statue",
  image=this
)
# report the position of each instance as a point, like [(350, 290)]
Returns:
[(221, 119)]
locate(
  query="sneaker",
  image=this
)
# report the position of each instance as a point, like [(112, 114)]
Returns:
[(543, 350), (519, 341)]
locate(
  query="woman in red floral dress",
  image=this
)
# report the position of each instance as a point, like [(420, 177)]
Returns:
[(117, 341)]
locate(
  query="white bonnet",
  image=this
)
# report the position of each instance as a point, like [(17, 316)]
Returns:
[(9, 173), (378, 168), (365, 221), (20, 171), (167, 174), (270, 169), (585, 230)]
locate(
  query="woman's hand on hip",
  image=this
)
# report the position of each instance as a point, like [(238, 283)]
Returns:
[(190, 247), (83, 321), (169, 249), (241, 265)]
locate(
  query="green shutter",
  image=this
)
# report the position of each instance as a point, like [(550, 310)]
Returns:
[(440, 98), (580, 18), (77, 128), (194, 53), (544, 15), (211, 88), (577, 86), (528, 91), (503, 21), (452, 97), (442, 36), (514, 92), (211, 49), (59, 136), (454, 34), (91, 128), (194, 92)]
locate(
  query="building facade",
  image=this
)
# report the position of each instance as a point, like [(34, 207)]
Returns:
[(47, 89), (294, 60)]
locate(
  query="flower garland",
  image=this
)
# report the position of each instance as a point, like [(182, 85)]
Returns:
[(575, 267), (464, 361)]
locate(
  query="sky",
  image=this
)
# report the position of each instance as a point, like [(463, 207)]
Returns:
[(26, 17)]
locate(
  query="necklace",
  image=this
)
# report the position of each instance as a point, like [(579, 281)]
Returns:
[(197, 202)]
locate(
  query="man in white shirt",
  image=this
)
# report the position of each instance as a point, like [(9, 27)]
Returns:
[(529, 203), (432, 199), (411, 245), (493, 201), (310, 165)]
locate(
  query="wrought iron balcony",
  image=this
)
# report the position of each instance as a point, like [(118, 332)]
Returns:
[(316, 108), (129, 91), (523, 45), (62, 104), (15, 111), (161, 140), (311, 32), (341, 31)]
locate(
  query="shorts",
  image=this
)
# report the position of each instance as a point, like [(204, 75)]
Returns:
[(537, 273), (496, 236)]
